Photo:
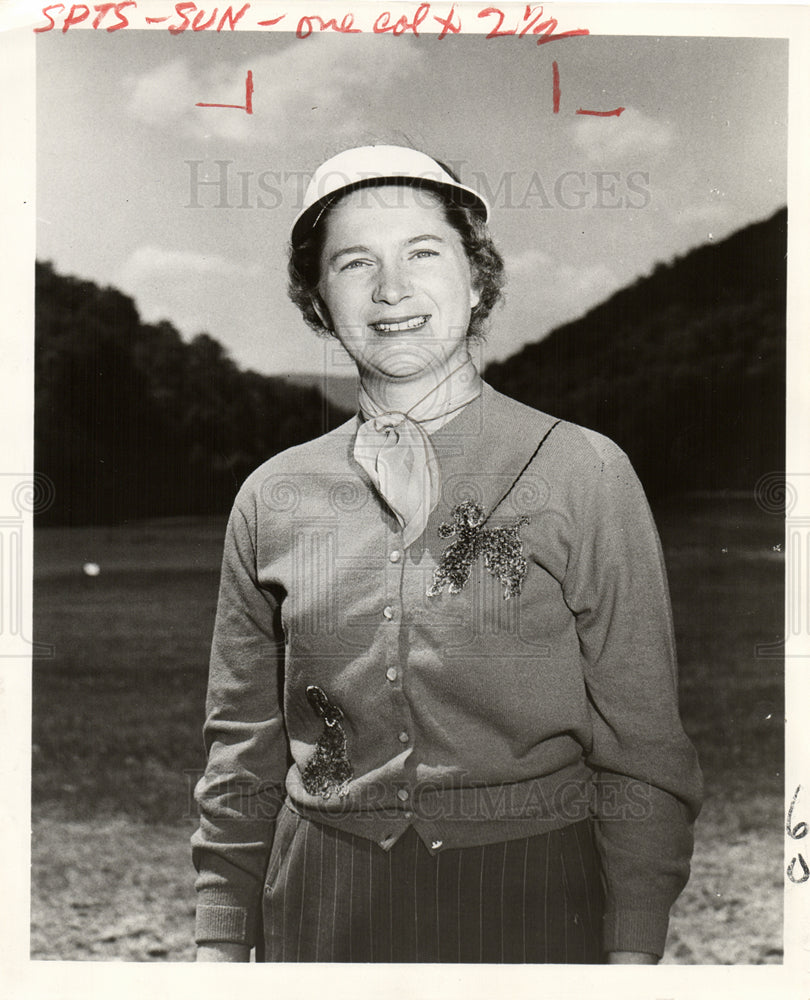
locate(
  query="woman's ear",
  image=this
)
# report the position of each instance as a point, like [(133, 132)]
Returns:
[(322, 312), (475, 295)]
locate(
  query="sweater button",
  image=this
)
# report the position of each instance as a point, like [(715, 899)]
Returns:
[(403, 737), (403, 794), (395, 556), (391, 673), (388, 612)]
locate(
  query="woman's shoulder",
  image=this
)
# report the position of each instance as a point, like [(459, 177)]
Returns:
[(572, 443), (326, 456)]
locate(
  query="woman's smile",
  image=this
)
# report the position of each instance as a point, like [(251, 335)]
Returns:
[(401, 325)]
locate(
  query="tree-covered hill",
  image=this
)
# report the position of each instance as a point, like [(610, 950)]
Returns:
[(131, 421), (685, 369)]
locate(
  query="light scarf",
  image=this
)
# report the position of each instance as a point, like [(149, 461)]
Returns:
[(396, 452)]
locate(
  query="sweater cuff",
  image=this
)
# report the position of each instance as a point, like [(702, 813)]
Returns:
[(636, 930), (223, 924), (223, 918)]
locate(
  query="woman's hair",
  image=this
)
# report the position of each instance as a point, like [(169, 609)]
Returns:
[(486, 263)]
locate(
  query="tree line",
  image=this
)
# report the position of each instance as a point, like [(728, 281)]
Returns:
[(685, 369), (132, 421)]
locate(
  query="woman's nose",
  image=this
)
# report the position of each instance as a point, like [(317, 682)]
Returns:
[(393, 284)]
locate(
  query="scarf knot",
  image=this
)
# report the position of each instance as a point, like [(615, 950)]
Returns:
[(395, 450), (388, 421)]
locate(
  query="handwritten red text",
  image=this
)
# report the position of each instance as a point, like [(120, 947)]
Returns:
[(80, 12), (531, 24)]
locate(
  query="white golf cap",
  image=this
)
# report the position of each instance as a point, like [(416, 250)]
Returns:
[(372, 166)]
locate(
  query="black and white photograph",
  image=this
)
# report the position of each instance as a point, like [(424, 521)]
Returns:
[(405, 530)]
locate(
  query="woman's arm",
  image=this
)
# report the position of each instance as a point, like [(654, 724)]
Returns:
[(242, 788), (648, 783)]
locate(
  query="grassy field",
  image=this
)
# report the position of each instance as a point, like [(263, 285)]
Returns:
[(118, 710)]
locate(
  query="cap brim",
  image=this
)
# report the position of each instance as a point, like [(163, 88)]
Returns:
[(459, 194)]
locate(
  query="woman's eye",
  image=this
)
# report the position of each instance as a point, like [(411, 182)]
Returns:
[(353, 265), (426, 253)]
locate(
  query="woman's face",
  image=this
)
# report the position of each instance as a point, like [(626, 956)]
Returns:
[(395, 282)]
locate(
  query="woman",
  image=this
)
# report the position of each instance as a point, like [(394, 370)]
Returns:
[(442, 711)]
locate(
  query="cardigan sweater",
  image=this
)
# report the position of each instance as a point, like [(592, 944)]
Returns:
[(338, 684)]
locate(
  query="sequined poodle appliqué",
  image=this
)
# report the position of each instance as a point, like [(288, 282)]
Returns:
[(329, 770), (501, 548)]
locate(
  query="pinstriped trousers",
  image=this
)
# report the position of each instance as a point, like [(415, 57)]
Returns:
[(331, 896)]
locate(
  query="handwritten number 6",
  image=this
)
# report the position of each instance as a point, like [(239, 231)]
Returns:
[(796, 833), (800, 829)]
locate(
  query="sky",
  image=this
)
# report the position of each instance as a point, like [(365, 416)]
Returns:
[(581, 205)]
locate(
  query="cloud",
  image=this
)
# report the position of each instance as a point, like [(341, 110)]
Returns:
[(705, 217), (526, 263), (633, 136), (544, 293), (148, 260), (584, 286), (195, 291), (162, 96), (309, 85), (536, 276)]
